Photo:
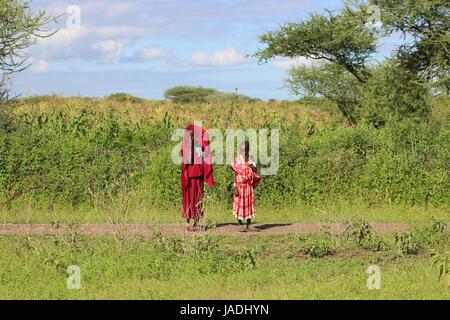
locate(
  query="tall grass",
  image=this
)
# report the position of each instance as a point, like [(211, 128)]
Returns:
[(92, 153)]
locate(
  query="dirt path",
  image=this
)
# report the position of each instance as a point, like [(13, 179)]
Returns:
[(226, 229)]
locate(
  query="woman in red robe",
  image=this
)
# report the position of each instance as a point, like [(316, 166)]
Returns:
[(196, 170), (246, 178)]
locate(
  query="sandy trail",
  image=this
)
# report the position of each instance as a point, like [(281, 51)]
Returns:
[(172, 229)]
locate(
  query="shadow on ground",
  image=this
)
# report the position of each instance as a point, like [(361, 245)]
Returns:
[(273, 225)]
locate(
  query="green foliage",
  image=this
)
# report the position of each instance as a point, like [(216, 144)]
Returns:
[(441, 262), (344, 42), (187, 94), (362, 233), (330, 81), (407, 243), (319, 245), (74, 161), (99, 158), (432, 235), (125, 97), (20, 28), (202, 251), (343, 39), (129, 267), (392, 93), (427, 22)]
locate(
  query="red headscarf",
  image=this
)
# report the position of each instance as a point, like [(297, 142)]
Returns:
[(196, 160)]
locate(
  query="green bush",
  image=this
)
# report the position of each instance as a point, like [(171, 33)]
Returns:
[(88, 157), (125, 97), (187, 94), (432, 235), (362, 233), (319, 245), (407, 243)]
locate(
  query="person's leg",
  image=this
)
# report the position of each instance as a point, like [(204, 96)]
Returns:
[(189, 227), (249, 222), (197, 225), (241, 225), (198, 203)]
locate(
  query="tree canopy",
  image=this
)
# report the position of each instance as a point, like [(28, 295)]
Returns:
[(343, 45), (20, 28)]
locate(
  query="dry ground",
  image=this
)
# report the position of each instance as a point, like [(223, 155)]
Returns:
[(172, 229)]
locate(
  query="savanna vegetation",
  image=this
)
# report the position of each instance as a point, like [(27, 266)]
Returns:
[(366, 140), (318, 266), (113, 159)]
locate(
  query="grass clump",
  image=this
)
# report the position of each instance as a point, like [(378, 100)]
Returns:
[(434, 234), (319, 245), (407, 243), (362, 233)]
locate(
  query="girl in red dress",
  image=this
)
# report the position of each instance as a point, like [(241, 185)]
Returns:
[(246, 178), (196, 170)]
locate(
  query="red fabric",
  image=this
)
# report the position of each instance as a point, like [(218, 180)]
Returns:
[(246, 181), (192, 199), (196, 170)]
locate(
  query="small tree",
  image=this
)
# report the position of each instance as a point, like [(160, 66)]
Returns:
[(189, 94), (331, 81), (20, 28)]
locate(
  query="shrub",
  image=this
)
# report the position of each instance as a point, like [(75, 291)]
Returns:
[(362, 233), (434, 234), (407, 243), (125, 97), (89, 153), (187, 94), (319, 245)]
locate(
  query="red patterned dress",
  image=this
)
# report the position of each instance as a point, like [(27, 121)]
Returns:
[(246, 180)]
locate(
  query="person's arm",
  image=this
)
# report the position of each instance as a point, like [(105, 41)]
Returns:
[(235, 189), (252, 166)]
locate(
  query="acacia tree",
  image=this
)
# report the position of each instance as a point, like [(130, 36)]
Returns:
[(344, 42), (427, 22), (189, 94), (330, 81), (20, 28), (342, 45), (343, 39)]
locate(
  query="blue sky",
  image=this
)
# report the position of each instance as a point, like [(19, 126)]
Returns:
[(144, 47)]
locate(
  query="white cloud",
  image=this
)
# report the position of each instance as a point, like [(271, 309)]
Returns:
[(104, 44), (147, 54), (229, 56), (151, 53), (287, 63), (41, 66), (110, 49), (64, 37)]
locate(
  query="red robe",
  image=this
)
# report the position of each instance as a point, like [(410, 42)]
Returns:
[(196, 170)]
